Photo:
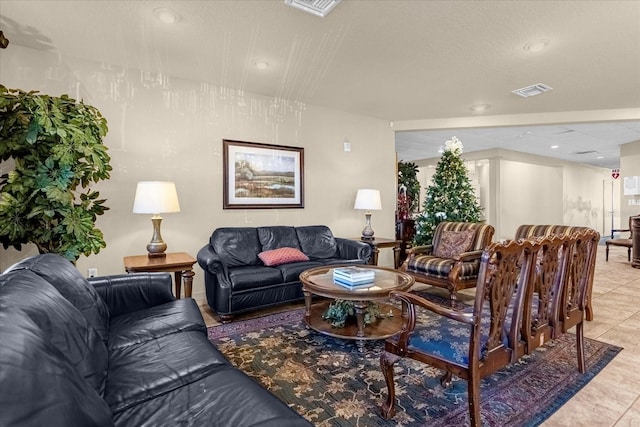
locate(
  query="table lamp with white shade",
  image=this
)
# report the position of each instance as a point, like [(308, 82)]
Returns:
[(368, 200), (156, 197)]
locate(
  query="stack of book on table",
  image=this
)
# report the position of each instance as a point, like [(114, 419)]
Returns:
[(353, 276)]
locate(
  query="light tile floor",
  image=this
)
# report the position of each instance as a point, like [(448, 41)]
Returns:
[(612, 398)]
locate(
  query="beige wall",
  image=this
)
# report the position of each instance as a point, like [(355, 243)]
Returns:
[(162, 128), (629, 166), (528, 194)]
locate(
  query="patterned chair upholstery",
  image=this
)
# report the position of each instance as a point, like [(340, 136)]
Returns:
[(463, 242), (529, 231)]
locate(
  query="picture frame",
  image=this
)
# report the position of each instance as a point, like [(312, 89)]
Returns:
[(262, 176)]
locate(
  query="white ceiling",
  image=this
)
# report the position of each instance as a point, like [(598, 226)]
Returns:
[(397, 60), (595, 144)]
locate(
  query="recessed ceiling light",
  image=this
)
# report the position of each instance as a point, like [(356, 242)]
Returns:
[(600, 157), (261, 65), (166, 15), (480, 107), (536, 46), (553, 147)]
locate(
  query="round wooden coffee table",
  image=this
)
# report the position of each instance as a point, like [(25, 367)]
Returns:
[(319, 281)]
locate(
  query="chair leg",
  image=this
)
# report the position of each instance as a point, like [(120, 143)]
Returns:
[(452, 297), (473, 390), (588, 309), (580, 347), (606, 253), (629, 254), (387, 360), (445, 380)]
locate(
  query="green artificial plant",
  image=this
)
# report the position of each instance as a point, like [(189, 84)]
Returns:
[(408, 179), (450, 197), (340, 312), (51, 151)]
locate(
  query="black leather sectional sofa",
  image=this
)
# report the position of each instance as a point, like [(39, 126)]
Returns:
[(237, 280), (120, 350)]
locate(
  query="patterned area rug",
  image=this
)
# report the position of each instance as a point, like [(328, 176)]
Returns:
[(331, 384)]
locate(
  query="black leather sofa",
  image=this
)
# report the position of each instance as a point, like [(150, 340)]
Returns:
[(236, 280), (118, 351)]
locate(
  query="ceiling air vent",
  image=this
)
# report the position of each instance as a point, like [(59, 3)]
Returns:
[(584, 152), (532, 90), (316, 7)]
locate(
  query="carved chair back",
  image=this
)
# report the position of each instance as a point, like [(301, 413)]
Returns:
[(572, 301), (565, 231), (550, 256)]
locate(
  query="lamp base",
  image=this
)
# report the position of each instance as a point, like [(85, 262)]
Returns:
[(158, 255), (367, 231), (156, 246)]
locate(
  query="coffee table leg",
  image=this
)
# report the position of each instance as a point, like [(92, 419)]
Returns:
[(361, 308), (307, 306)]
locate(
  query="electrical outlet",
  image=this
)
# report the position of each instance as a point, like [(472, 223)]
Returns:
[(92, 272)]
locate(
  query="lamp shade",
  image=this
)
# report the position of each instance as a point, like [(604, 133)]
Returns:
[(368, 199), (156, 197)]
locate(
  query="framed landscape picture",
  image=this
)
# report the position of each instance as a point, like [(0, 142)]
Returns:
[(258, 176)]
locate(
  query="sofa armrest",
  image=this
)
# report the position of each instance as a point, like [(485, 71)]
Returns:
[(210, 261), (353, 249), (126, 293)]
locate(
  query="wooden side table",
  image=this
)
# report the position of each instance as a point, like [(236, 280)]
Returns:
[(179, 263), (380, 242)]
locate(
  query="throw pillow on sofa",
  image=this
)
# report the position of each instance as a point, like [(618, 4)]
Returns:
[(281, 256)]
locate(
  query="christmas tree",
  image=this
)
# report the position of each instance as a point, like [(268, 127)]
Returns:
[(450, 197)]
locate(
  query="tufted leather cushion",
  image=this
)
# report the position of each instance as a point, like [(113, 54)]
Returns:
[(317, 241), (150, 369), (282, 256), (291, 272), (237, 246), (72, 285), (453, 243), (38, 385), (61, 323), (253, 277), (278, 237)]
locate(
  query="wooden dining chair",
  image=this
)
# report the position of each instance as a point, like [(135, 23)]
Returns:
[(571, 303), (621, 242), (471, 343)]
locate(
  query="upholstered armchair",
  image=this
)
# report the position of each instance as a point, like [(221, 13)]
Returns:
[(452, 261)]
